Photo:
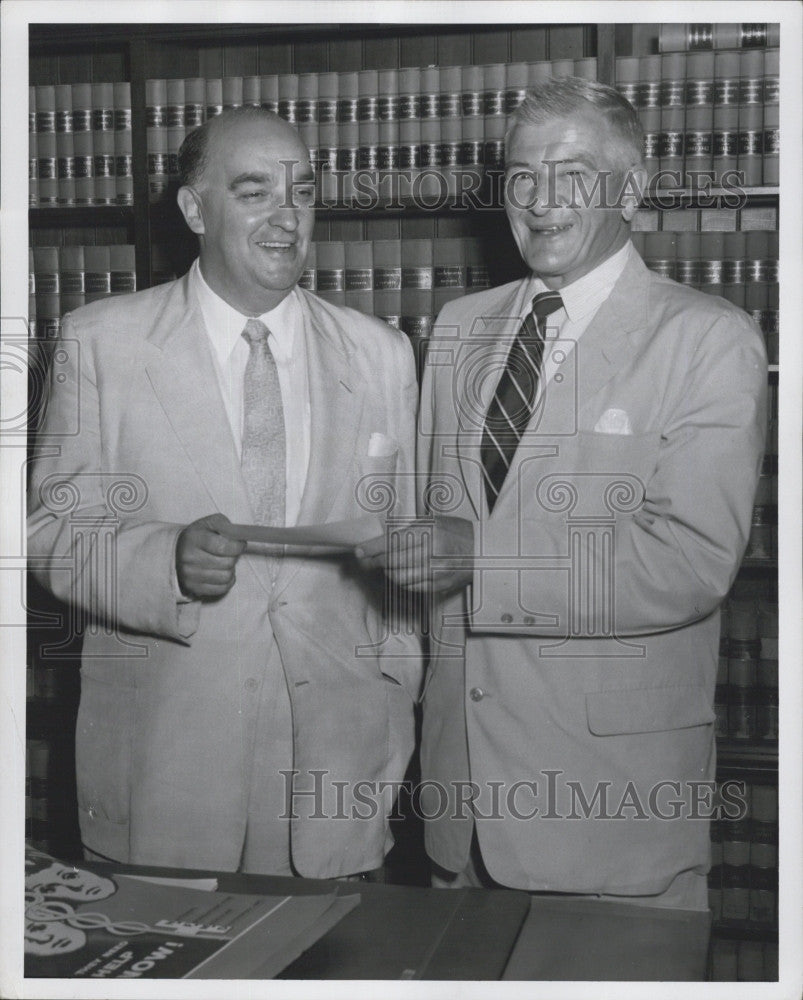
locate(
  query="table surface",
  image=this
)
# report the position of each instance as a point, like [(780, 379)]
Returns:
[(410, 932)]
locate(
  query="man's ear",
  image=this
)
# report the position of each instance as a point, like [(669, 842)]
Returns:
[(189, 201), (633, 188)]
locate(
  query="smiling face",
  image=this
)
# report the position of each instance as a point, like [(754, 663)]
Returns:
[(253, 210), (561, 234)]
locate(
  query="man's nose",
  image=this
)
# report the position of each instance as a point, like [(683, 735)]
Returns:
[(284, 217)]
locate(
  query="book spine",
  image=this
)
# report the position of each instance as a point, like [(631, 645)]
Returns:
[(448, 273), (388, 281), (771, 139), (71, 277), (32, 331), (123, 164), (308, 279), (251, 92), (157, 138), (331, 271), (494, 121), (214, 97), (231, 88), (65, 146), (176, 129), (97, 275), (47, 162), (33, 156), (194, 102), (104, 189), (83, 144), (359, 276), (288, 97), (48, 296), (477, 276), (416, 291), (649, 105)]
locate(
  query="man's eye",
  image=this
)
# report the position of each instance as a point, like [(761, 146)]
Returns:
[(305, 194), (251, 195)]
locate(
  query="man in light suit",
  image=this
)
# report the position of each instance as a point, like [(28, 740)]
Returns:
[(591, 459), (232, 697)]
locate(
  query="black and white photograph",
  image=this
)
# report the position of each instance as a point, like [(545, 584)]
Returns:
[(401, 530)]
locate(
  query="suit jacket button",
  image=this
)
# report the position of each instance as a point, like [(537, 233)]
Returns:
[(506, 618), (476, 694), (251, 684)]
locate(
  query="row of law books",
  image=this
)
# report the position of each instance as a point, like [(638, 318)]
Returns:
[(64, 278), (707, 111), (700, 79), (743, 880), (748, 713), (80, 145), (404, 282), (384, 95), (449, 118), (702, 36), (745, 961), (741, 155), (740, 266), (723, 218)]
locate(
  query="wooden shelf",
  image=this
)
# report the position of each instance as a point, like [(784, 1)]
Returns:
[(747, 756), (658, 199), (81, 215)]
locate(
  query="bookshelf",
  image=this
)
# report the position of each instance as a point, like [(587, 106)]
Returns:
[(707, 95)]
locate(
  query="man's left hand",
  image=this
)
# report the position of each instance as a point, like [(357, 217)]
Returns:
[(428, 554)]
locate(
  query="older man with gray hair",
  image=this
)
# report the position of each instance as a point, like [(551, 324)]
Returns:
[(597, 432)]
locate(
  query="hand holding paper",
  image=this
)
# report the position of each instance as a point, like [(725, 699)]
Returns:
[(428, 554), (206, 558), (338, 535)]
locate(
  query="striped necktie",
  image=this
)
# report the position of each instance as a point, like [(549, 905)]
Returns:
[(263, 452), (514, 400)]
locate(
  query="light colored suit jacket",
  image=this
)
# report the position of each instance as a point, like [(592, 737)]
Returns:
[(143, 447), (577, 673)]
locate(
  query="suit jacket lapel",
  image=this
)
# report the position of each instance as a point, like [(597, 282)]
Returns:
[(482, 354), (183, 377), (600, 353), (336, 405), (606, 343)]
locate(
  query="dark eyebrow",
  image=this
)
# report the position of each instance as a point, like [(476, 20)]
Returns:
[(249, 178), (519, 164)]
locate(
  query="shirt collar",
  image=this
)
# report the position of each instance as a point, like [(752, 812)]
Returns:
[(225, 324), (587, 294)]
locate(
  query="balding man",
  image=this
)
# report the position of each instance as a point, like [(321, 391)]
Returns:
[(232, 698)]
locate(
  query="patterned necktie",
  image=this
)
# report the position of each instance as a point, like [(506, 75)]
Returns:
[(514, 400), (263, 453)]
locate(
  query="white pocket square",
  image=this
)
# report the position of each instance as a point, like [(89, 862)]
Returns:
[(381, 446), (614, 422)]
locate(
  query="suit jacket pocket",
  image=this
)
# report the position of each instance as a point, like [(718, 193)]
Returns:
[(378, 465), (647, 710)]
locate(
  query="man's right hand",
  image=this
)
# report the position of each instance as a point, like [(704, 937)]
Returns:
[(205, 559)]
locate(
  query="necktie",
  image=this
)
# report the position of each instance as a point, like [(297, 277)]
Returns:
[(263, 452), (514, 399)]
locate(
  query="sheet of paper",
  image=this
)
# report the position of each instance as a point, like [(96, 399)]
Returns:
[(339, 534), (204, 884)]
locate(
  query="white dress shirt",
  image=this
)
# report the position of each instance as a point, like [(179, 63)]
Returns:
[(224, 327), (581, 301)]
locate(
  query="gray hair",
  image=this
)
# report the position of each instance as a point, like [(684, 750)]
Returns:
[(564, 96)]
